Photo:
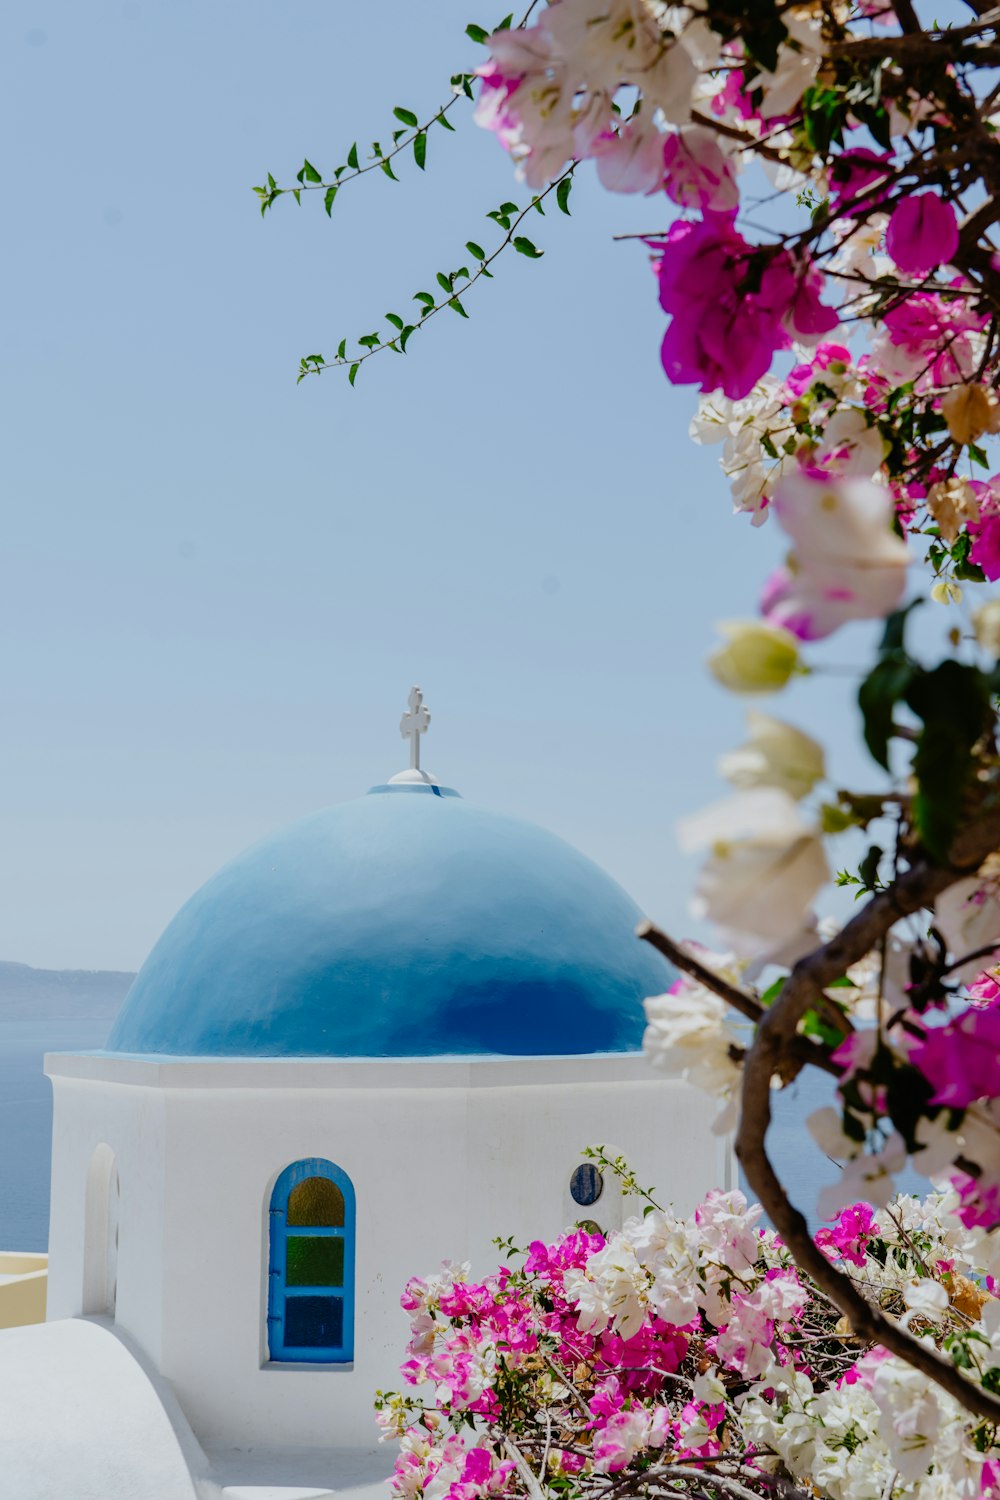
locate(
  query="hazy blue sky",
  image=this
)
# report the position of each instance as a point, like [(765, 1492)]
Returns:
[(216, 587)]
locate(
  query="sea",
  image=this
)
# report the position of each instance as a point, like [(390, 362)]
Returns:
[(26, 1129)]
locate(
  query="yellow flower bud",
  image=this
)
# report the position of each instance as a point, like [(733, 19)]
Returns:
[(756, 657)]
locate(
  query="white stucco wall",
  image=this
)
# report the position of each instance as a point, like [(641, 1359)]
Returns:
[(80, 1420), (444, 1155)]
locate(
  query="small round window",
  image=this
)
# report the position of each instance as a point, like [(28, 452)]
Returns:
[(586, 1184)]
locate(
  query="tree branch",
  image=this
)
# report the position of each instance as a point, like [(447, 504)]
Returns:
[(918, 888), (742, 1000)]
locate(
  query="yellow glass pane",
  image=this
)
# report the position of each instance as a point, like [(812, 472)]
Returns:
[(316, 1203)]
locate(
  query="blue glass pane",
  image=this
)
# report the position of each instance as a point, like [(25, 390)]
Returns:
[(586, 1185), (314, 1322)]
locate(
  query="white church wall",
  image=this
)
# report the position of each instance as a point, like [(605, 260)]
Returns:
[(444, 1155), (102, 1130)]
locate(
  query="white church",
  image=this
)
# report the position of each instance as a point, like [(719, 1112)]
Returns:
[(372, 1042)]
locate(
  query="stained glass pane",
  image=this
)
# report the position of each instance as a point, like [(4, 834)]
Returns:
[(316, 1203), (586, 1184), (314, 1323), (314, 1260)]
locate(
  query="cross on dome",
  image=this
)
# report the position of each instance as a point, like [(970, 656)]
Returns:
[(415, 723)]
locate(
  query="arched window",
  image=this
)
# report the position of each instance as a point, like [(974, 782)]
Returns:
[(100, 1243), (310, 1302)]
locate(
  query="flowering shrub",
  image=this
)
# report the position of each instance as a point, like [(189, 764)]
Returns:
[(690, 1357), (847, 361)]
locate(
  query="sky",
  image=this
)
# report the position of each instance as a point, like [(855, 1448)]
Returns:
[(216, 587)]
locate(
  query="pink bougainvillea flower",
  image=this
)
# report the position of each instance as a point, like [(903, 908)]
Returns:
[(825, 356), (696, 173), (847, 562), (630, 160), (924, 339), (985, 549), (852, 172), (960, 1058), (732, 304), (979, 1201), (922, 233), (985, 990), (850, 1234)]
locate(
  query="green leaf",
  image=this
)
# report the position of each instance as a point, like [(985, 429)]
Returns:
[(328, 198), (886, 685), (813, 1024), (342, 349), (420, 149), (772, 992), (477, 34), (476, 250), (309, 172), (953, 702), (297, 195), (442, 119), (508, 208), (868, 868), (446, 283), (454, 302), (352, 157), (893, 637), (523, 246), (404, 336), (387, 169), (394, 319), (563, 192), (426, 297), (406, 115), (352, 373), (370, 340)]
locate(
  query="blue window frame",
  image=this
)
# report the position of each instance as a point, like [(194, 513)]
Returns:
[(310, 1298)]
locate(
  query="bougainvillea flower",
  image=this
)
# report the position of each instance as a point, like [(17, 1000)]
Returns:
[(847, 562), (922, 233), (960, 1058)]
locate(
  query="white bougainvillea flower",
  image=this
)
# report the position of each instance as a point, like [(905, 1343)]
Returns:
[(776, 754), (865, 1179), (765, 864), (925, 1298), (846, 564), (827, 1129), (967, 915), (798, 63)]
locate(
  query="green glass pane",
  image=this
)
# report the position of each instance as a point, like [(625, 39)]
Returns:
[(316, 1203), (314, 1260)]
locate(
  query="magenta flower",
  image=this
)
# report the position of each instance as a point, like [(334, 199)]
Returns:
[(960, 1058), (849, 1235), (922, 233), (854, 171), (985, 990), (723, 335), (985, 549)]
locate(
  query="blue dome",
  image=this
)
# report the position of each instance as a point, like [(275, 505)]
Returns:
[(407, 923)]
